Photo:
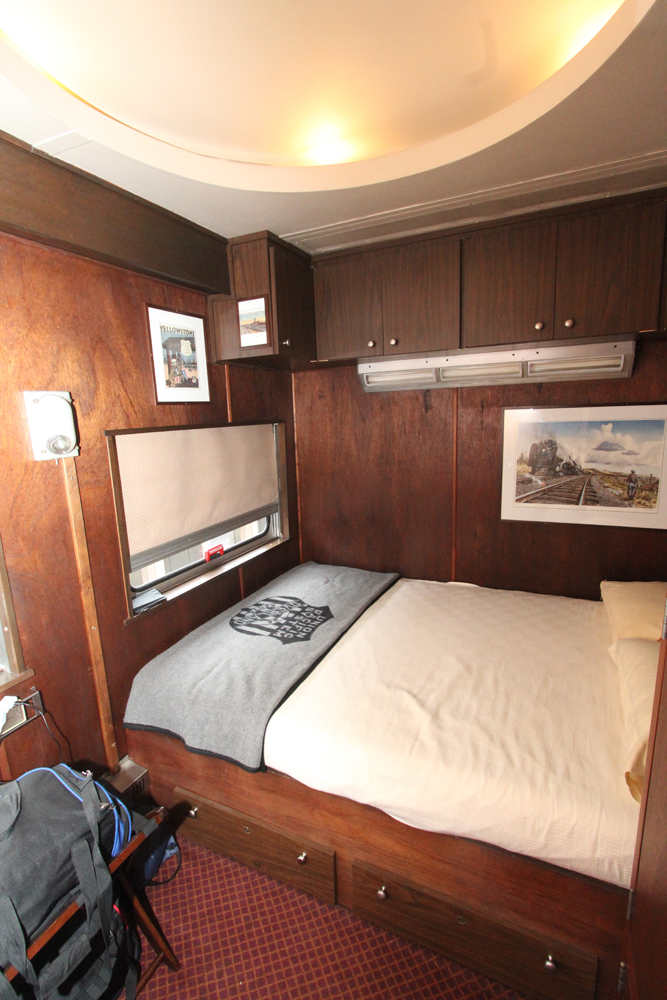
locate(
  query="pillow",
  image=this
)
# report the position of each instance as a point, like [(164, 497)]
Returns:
[(637, 662), (635, 610)]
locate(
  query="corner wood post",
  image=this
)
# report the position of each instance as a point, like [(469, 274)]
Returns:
[(90, 613)]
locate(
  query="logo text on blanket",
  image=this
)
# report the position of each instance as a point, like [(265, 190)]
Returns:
[(288, 619)]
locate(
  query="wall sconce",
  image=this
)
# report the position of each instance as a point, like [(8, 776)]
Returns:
[(52, 427)]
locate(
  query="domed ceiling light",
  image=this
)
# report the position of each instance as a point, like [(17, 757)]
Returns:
[(305, 94)]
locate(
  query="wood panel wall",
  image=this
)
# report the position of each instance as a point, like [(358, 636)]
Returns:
[(378, 487), (68, 323)]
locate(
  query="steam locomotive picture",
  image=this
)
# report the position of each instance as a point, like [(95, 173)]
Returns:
[(549, 458)]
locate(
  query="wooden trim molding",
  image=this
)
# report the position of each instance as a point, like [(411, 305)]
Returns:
[(90, 613), (56, 204)]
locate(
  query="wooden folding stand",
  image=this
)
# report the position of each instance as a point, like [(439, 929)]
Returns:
[(145, 922)]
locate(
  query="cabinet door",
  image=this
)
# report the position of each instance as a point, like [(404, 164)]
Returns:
[(508, 280), (348, 307), (293, 307), (421, 297), (609, 269)]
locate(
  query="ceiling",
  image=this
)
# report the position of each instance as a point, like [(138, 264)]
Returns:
[(334, 125)]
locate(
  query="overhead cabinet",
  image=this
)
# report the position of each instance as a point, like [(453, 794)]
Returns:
[(389, 302), (596, 273), (263, 267), (508, 284), (593, 274), (608, 270)]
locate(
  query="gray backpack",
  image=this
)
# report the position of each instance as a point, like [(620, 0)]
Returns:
[(59, 830)]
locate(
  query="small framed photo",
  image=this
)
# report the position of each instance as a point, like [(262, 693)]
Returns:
[(179, 357), (586, 465), (253, 328)]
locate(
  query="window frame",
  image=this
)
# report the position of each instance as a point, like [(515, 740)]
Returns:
[(276, 533)]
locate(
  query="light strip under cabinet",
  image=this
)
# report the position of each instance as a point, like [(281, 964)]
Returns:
[(410, 379), (566, 361), (583, 365)]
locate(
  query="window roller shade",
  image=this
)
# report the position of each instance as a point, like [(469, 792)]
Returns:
[(230, 478)]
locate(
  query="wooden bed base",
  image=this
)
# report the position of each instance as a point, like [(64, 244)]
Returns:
[(503, 914)]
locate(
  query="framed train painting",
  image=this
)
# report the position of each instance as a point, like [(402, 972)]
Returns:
[(586, 465)]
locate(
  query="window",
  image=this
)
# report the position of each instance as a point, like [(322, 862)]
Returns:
[(12, 668), (192, 500)]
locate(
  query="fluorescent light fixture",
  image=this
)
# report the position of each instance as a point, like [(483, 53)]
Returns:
[(566, 361)]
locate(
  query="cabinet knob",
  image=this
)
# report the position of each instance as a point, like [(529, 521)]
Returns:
[(371, 343), (382, 893), (550, 965), (303, 857), (286, 343), (393, 341), (569, 323), (192, 813), (539, 326)]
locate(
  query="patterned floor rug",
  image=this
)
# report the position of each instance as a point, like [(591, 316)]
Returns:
[(239, 934)]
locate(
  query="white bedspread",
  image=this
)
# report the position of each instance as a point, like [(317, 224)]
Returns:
[(484, 713)]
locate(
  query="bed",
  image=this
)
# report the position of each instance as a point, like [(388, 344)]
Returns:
[(457, 759)]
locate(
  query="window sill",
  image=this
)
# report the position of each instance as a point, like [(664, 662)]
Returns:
[(9, 680), (196, 581)]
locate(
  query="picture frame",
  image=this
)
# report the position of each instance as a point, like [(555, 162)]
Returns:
[(253, 322), (596, 465), (179, 356)]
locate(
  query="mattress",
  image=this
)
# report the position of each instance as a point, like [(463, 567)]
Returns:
[(487, 714)]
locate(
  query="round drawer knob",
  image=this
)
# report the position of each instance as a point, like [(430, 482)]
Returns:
[(286, 343), (539, 326), (303, 857), (382, 893), (550, 965), (246, 829), (371, 343), (192, 813), (393, 341), (569, 323)]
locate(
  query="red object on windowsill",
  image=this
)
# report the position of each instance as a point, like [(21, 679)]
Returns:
[(217, 550)]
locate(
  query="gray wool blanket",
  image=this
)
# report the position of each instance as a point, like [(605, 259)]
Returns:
[(217, 688)]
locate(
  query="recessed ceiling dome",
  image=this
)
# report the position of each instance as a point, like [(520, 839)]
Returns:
[(298, 84)]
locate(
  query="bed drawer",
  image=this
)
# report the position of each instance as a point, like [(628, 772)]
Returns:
[(283, 856), (499, 950)]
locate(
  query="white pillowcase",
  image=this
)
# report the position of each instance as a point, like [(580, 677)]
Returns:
[(635, 610), (637, 662)]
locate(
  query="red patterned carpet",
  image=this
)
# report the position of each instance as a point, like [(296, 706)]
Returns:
[(239, 934)]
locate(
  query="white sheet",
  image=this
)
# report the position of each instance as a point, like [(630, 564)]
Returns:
[(484, 713)]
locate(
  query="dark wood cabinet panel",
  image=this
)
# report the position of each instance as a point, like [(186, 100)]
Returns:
[(609, 270), (293, 303), (421, 297), (348, 307), (250, 269), (508, 280)]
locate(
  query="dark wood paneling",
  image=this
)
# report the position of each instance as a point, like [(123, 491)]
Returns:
[(375, 475), (648, 957), (508, 284), (348, 307), (567, 559), (259, 846), (420, 297), (77, 325), (250, 267), (293, 303), (539, 898), (474, 938), (258, 394), (609, 270), (60, 205)]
